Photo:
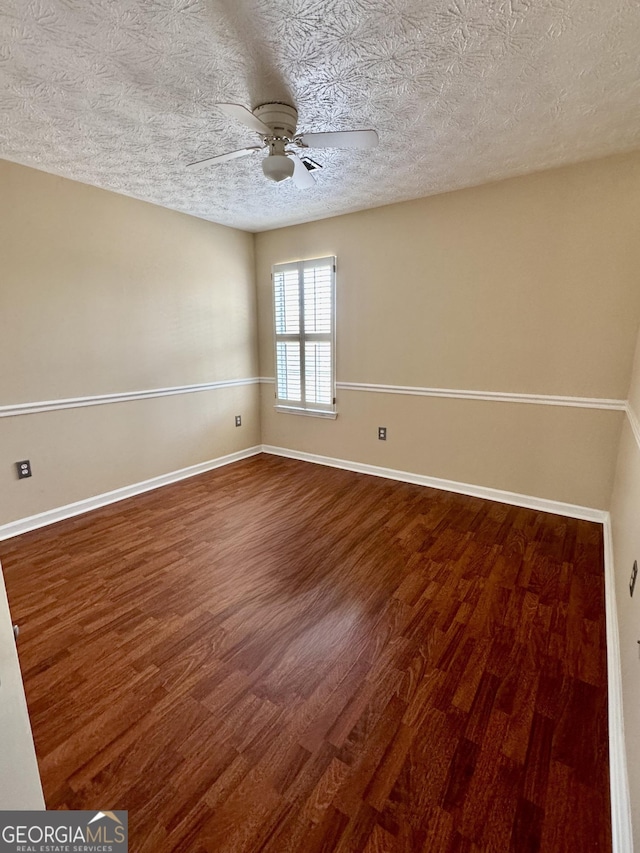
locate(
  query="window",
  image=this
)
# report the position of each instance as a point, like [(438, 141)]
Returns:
[(304, 294)]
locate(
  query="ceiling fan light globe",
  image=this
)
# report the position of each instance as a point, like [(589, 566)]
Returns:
[(277, 167)]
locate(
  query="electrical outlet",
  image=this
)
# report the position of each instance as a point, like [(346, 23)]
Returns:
[(24, 469), (238, 420), (382, 433), (634, 575)]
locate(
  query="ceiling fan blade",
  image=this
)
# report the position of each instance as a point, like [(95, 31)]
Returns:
[(246, 117), (222, 158), (340, 139), (302, 177)]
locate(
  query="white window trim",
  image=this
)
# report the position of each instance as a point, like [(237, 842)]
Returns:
[(313, 413), (294, 407)]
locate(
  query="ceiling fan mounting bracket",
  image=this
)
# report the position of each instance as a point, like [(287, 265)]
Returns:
[(281, 118)]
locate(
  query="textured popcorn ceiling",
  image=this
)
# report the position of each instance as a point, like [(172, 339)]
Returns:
[(121, 94)]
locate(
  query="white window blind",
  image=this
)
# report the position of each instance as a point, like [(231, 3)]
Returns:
[(304, 294)]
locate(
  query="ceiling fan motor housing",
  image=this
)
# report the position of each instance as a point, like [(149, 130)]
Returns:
[(281, 118)]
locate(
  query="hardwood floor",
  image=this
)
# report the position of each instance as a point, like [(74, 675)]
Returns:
[(281, 657)]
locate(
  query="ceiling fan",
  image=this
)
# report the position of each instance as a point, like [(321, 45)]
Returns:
[(276, 125)]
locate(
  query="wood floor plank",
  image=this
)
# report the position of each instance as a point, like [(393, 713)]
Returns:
[(276, 657)]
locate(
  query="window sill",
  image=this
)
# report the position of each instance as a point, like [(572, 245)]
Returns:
[(312, 413)]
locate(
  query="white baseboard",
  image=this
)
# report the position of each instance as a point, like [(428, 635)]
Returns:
[(622, 835), (513, 498), (33, 522)]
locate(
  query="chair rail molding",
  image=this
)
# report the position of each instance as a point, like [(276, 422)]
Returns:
[(487, 396), (124, 397), (634, 422)]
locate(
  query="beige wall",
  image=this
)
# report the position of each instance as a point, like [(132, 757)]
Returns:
[(625, 523), (525, 286), (514, 447), (102, 294)]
